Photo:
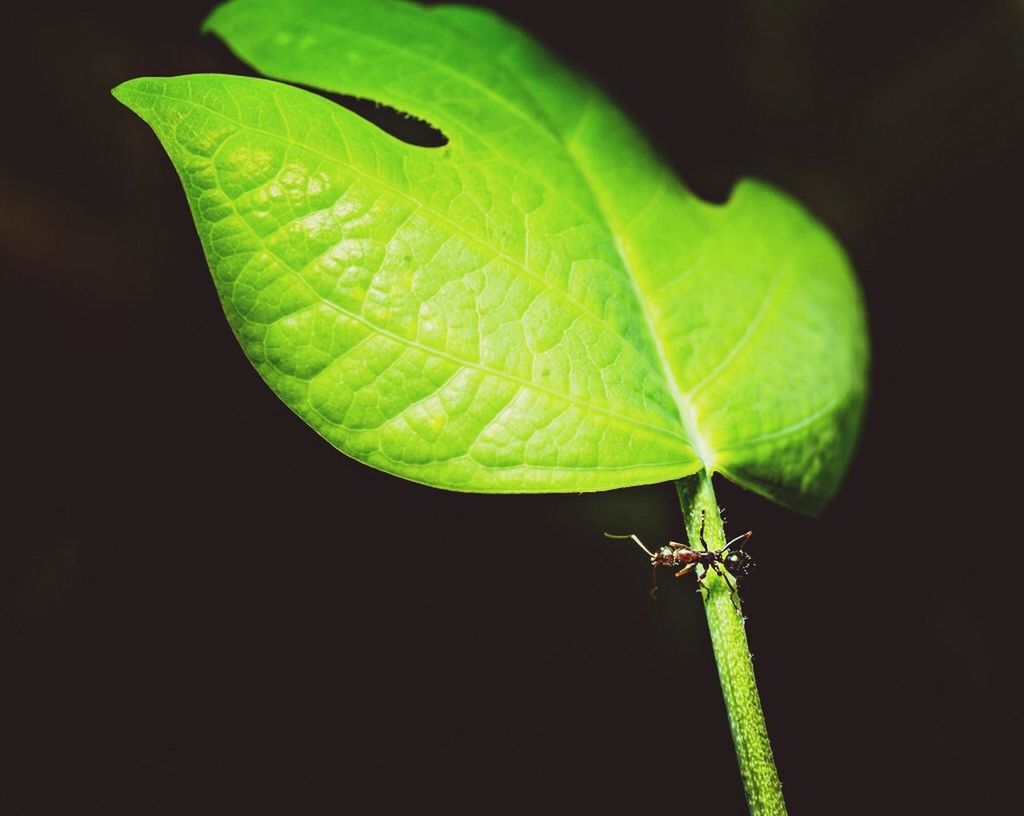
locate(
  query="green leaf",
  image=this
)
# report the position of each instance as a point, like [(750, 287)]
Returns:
[(538, 305)]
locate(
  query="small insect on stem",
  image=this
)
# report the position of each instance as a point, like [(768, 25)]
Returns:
[(730, 559)]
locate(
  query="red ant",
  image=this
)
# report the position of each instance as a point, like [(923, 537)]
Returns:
[(737, 561)]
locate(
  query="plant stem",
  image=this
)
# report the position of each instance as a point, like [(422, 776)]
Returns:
[(735, 669)]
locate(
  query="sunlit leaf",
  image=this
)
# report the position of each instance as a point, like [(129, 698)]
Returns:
[(538, 305)]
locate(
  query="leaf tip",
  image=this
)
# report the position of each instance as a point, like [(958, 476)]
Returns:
[(220, 16), (121, 92), (127, 93), (209, 23)]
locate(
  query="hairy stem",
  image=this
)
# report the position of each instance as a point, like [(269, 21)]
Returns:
[(735, 669)]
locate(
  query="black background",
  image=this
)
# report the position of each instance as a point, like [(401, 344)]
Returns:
[(206, 609)]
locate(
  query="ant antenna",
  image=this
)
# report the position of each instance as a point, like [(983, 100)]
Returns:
[(639, 543), (744, 538)]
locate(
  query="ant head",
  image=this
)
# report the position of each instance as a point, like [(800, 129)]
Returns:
[(739, 563)]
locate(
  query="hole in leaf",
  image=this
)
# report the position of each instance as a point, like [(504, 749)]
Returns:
[(403, 126)]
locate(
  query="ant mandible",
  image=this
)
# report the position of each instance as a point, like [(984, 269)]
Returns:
[(737, 561)]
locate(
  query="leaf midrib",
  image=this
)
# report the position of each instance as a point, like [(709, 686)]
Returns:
[(684, 405)]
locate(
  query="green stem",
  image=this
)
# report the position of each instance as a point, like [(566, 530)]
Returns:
[(735, 669)]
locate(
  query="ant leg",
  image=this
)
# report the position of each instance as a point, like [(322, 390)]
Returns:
[(733, 592), (726, 578), (702, 588), (685, 570), (702, 542), (654, 581)]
